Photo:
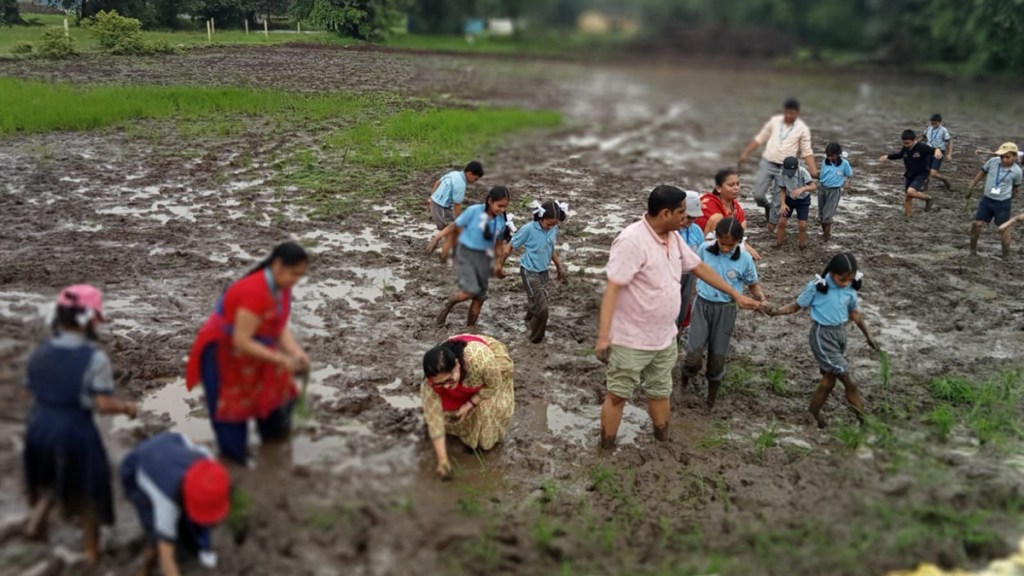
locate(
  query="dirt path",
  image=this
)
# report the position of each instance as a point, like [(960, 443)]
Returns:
[(750, 489)]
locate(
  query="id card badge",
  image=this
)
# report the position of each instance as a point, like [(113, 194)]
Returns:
[(995, 191)]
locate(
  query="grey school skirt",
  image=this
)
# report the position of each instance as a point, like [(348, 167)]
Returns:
[(828, 344), (473, 271)]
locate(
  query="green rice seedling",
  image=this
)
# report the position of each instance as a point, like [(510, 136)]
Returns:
[(544, 531), (766, 439), (739, 378), (943, 418), (549, 489), (777, 379), (952, 389), (851, 436), (240, 514), (718, 437)]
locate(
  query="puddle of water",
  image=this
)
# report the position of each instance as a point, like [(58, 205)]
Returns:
[(582, 425), (397, 400), (173, 400), (377, 282), (364, 241), (25, 306)]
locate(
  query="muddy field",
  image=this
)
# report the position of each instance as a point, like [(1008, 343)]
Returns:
[(163, 223)]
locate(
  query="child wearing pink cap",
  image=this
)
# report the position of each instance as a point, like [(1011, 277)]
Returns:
[(65, 461)]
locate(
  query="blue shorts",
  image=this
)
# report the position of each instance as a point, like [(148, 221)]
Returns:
[(801, 207), (936, 163), (989, 210), (917, 182)]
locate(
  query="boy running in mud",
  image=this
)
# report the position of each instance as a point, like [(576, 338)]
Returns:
[(917, 164), (937, 136), (447, 196), (1002, 177)]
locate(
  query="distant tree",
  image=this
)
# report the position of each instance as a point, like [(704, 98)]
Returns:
[(363, 19), (9, 15)]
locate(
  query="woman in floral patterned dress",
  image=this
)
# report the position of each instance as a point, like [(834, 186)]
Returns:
[(467, 392)]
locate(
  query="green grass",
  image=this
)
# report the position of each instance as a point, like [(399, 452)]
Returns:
[(778, 380), (990, 409), (718, 437), (84, 41), (28, 106), (766, 439)]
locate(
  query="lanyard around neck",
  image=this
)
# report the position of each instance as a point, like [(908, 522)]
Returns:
[(783, 133), (999, 169)]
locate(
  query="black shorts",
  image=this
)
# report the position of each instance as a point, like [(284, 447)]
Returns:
[(917, 182), (802, 207)]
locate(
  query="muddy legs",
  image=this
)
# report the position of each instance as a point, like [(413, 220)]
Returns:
[(91, 530), (659, 409), (35, 528), (611, 417), (826, 232), (458, 298), (975, 235), (828, 382)]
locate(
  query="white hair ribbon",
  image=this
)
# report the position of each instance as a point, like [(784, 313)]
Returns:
[(858, 276), (819, 280), (483, 220), (508, 223), (538, 208), (563, 206)]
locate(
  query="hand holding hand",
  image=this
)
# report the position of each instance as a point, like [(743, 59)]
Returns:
[(748, 303)]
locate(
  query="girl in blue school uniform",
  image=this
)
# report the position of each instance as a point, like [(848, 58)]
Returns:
[(480, 230), (714, 313), (179, 491), (65, 461), (538, 239), (832, 300)]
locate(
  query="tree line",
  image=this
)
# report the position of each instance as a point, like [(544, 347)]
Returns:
[(980, 35)]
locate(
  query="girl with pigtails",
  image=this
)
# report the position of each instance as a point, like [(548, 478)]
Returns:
[(537, 239), (832, 300)]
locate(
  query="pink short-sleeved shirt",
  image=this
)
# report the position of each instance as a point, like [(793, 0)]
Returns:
[(781, 141), (649, 269)]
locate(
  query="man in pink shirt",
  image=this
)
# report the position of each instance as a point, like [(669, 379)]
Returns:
[(782, 136), (637, 334)]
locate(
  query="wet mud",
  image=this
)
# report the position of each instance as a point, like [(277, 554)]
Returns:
[(752, 488)]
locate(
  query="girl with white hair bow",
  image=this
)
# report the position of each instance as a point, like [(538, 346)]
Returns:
[(537, 239)]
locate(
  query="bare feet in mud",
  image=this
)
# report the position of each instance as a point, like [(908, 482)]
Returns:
[(819, 420), (661, 433)]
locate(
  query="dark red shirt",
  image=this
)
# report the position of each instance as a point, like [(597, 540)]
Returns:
[(712, 204)]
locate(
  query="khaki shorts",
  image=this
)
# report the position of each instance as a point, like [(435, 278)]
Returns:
[(627, 367)]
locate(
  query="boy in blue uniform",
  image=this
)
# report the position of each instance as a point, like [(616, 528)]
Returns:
[(832, 300), (714, 313), (1002, 177), (480, 230), (539, 238), (917, 161), (179, 491), (447, 196), (795, 189), (937, 136), (693, 237)]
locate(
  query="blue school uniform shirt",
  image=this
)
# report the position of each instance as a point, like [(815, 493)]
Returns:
[(451, 190), (835, 176), (159, 465), (693, 236), (831, 308), (738, 273), (1002, 178), (937, 137), (473, 221), (539, 243), (799, 180), (97, 377)]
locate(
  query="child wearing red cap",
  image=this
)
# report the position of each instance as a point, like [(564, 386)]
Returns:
[(65, 460), (179, 491)]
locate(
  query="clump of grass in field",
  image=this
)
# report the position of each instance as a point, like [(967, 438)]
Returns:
[(990, 409), (777, 379), (718, 437), (766, 439), (240, 513), (943, 419), (850, 435), (739, 378)]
